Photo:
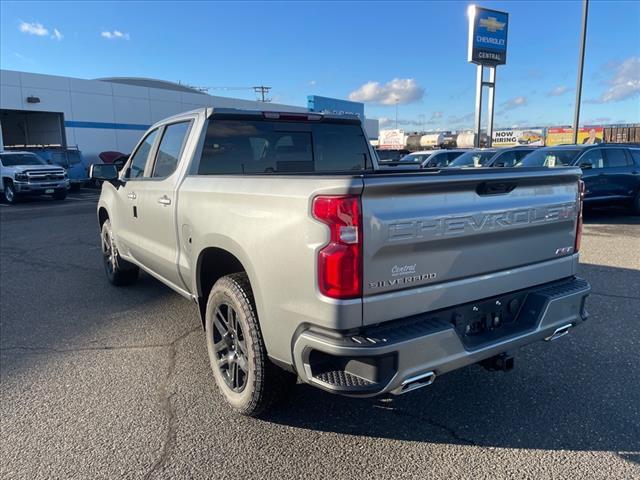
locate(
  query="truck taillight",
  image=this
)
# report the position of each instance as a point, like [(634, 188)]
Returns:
[(579, 223), (340, 261)]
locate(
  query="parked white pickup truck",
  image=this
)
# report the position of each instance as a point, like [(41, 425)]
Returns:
[(24, 173), (308, 260)]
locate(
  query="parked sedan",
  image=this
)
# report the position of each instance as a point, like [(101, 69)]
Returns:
[(611, 172)]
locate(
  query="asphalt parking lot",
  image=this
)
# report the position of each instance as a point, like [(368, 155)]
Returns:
[(100, 382)]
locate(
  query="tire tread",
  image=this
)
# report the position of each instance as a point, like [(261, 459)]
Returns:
[(271, 382)]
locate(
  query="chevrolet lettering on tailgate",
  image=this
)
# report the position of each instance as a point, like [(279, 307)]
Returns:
[(478, 223)]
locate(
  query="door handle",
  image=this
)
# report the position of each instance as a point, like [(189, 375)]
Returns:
[(132, 195), (164, 200)]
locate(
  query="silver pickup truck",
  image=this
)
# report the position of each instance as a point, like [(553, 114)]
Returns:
[(308, 260)]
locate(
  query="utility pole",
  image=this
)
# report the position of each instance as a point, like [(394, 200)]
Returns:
[(583, 41), (262, 90)]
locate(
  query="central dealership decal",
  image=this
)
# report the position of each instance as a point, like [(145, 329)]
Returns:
[(487, 36)]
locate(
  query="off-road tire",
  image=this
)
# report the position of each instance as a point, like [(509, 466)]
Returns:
[(265, 383), (119, 272)]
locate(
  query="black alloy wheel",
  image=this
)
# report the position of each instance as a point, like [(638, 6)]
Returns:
[(230, 347)]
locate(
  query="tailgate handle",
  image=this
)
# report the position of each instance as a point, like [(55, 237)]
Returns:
[(495, 188)]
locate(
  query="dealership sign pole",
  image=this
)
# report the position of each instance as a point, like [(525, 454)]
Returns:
[(487, 48)]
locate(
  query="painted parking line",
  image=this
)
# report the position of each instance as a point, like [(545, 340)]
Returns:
[(83, 199)]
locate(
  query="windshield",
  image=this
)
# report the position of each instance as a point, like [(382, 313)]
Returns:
[(473, 159), (415, 158), (549, 158), (15, 159)]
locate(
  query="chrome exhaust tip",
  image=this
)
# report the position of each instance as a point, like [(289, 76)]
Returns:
[(559, 332), (415, 382)]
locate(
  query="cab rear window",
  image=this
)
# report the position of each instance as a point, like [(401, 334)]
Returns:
[(280, 147)]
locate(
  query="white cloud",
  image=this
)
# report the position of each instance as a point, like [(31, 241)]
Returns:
[(312, 83), (386, 122), (398, 90), (559, 90), (624, 83), (57, 34), (115, 35), (515, 102), (33, 28)]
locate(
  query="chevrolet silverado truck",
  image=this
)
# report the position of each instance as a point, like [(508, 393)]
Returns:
[(26, 174), (305, 259)]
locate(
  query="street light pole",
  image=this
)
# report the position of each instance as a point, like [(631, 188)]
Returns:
[(583, 41)]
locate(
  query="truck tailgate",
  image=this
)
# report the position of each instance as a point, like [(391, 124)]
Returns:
[(430, 240)]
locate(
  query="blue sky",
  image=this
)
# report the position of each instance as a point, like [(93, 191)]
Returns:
[(371, 51)]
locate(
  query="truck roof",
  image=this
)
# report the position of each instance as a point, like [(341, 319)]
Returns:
[(268, 114)]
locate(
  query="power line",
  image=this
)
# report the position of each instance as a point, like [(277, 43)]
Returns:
[(261, 90)]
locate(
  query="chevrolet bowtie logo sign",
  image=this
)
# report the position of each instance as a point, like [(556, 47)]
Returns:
[(492, 24)]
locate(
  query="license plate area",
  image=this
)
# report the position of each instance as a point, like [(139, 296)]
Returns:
[(49, 190), (490, 319)]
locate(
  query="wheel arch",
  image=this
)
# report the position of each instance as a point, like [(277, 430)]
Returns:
[(103, 215), (212, 264)]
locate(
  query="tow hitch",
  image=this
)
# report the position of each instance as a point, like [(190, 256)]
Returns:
[(500, 363)]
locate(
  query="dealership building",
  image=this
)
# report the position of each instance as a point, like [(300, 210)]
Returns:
[(110, 114)]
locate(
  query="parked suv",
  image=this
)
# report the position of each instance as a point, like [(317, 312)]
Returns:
[(611, 172)]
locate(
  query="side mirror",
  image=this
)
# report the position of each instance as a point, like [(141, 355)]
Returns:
[(103, 171), (586, 165)]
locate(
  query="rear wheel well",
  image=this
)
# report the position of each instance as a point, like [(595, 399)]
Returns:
[(103, 216), (213, 264)]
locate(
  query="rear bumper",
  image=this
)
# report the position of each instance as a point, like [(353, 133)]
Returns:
[(388, 357)]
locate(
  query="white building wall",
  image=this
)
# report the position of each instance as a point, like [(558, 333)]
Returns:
[(101, 115)]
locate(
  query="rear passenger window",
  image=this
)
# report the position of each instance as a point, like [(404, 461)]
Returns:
[(257, 146), (139, 160), (615, 158), (635, 154), (508, 159), (594, 157), (171, 145), (452, 156)]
